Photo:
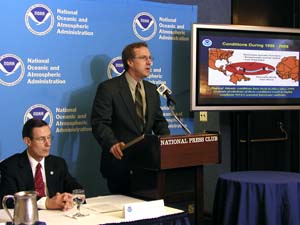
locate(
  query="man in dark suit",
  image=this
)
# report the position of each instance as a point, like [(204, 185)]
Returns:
[(116, 118), (18, 171)]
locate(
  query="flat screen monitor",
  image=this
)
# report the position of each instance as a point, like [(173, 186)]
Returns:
[(237, 67)]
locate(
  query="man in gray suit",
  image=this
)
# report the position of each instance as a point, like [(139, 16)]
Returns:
[(18, 172), (116, 119)]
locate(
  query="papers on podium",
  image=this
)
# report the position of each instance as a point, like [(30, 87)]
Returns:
[(134, 141)]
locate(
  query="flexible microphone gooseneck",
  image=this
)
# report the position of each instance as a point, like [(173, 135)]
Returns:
[(165, 92)]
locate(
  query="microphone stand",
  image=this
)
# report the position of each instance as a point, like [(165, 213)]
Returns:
[(171, 108)]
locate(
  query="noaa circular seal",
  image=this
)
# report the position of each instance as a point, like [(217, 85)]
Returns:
[(39, 111), (129, 209), (13, 69), (115, 67), (144, 26), (39, 19), (207, 42)]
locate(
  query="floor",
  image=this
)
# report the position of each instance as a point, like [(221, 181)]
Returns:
[(207, 221)]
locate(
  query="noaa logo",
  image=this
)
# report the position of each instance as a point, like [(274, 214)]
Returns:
[(39, 19), (129, 209), (207, 42), (12, 70), (144, 26), (115, 67), (41, 112)]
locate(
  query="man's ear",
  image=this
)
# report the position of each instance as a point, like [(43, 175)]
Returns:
[(129, 62), (27, 140)]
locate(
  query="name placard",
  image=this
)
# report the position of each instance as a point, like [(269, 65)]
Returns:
[(144, 210)]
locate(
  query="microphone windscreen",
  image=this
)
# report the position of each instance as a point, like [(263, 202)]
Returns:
[(163, 89)]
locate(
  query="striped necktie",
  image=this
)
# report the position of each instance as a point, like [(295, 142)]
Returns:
[(139, 105)]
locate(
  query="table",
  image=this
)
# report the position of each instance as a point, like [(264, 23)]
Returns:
[(257, 198), (105, 210)]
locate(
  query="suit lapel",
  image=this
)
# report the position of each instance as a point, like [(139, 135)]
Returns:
[(149, 102), (50, 176), (25, 170)]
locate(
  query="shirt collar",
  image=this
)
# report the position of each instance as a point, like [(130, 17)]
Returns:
[(33, 162), (132, 82)]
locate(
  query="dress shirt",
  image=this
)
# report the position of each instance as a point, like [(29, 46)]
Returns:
[(41, 203), (132, 85)]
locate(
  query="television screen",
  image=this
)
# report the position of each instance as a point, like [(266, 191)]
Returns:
[(244, 68)]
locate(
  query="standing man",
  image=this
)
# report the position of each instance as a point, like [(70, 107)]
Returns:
[(35, 170), (124, 108)]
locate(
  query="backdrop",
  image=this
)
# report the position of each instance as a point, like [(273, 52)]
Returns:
[(53, 54)]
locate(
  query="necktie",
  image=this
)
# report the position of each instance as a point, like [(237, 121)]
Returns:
[(38, 181), (139, 105)]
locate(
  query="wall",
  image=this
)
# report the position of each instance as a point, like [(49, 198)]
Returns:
[(55, 53)]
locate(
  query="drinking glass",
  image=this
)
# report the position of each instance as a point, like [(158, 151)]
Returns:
[(78, 199)]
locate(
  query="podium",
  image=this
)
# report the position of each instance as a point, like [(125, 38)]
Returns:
[(153, 157)]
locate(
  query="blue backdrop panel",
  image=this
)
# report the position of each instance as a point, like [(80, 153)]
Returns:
[(53, 54)]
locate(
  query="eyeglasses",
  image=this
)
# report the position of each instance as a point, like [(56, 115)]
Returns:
[(43, 139), (144, 58)]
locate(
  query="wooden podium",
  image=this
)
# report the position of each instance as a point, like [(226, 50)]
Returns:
[(152, 157)]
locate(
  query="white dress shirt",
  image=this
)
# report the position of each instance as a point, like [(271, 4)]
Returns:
[(41, 203)]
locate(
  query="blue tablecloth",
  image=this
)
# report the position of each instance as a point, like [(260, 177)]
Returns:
[(174, 219), (257, 198)]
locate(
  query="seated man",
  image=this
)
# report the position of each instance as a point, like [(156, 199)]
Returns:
[(35, 169)]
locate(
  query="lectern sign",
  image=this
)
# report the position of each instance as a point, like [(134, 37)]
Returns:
[(189, 150), (188, 140)]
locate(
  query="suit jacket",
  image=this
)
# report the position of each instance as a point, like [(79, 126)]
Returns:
[(114, 119), (16, 175)]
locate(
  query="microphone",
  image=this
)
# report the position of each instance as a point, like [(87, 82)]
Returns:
[(165, 92)]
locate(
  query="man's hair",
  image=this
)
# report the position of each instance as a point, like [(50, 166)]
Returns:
[(30, 124), (128, 52)]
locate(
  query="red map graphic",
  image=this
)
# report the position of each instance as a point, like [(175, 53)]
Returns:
[(247, 68), (287, 68)]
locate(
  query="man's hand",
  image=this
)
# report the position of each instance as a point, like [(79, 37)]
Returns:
[(116, 150), (63, 201)]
